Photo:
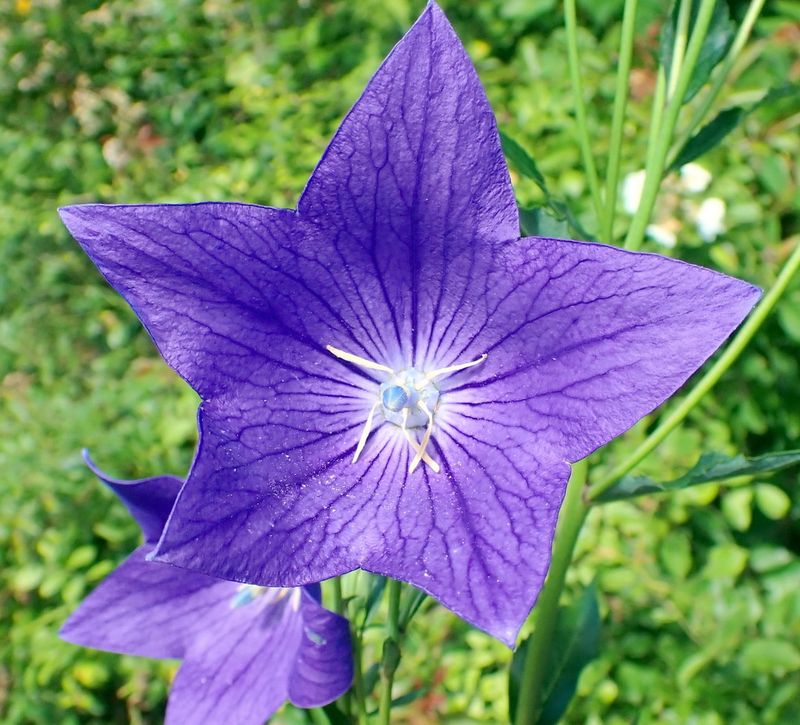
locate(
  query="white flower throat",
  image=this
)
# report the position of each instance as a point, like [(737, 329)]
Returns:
[(408, 398)]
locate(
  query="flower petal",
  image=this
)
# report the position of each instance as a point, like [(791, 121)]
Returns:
[(477, 536), (148, 609), (585, 339), (149, 500), (231, 293), (323, 669), (238, 670), (411, 187)]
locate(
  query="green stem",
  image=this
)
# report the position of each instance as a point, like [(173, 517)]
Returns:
[(658, 155), (338, 600), (618, 119), (358, 679), (318, 716), (717, 370), (742, 36), (570, 23), (679, 46), (573, 514), (390, 647)]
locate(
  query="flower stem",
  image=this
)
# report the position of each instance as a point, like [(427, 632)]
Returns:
[(338, 600), (358, 679), (665, 128), (391, 651), (679, 46), (618, 119), (736, 347), (545, 614), (742, 36), (570, 24)]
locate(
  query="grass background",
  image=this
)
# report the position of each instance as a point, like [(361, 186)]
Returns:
[(189, 100)]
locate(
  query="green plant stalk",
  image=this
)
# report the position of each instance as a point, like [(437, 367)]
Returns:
[(545, 614), (318, 716), (359, 698), (570, 24), (663, 141), (679, 46), (618, 119), (337, 599), (392, 633), (739, 42), (704, 385)]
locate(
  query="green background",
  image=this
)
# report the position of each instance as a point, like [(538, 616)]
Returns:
[(189, 100)]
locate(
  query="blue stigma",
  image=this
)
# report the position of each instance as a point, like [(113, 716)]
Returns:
[(394, 398)]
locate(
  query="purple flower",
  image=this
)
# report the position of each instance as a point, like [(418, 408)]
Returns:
[(391, 378), (245, 649)]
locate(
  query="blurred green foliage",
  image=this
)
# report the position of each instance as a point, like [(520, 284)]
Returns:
[(188, 100)]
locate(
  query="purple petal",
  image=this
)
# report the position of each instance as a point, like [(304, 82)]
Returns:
[(220, 287), (149, 500), (323, 669), (239, 670), (585, 339), (148, 609), (477, 536), (412, 186)]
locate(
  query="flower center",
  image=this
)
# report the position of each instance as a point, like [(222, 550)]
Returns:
[(408, 399), (248, 593), (409, 390)]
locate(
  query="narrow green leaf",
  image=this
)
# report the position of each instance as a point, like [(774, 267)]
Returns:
[(529, 222), (374, 598), (521, 160), (711, 467), (721, 31), (414, 599), (335, 715), (708, 137), (718, 128), (577, 638), (718, 41)]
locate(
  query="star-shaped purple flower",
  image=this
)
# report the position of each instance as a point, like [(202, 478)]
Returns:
[(391, 378), (245, 649)]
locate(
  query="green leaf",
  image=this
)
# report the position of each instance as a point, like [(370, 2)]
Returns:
[(539, 222), (770, 656), (522, 161), (708, 137), (718, 40), (335, 715), (576, 643), (723, 123), (373, 599), (772, 501), (414, 599), (710, 467)]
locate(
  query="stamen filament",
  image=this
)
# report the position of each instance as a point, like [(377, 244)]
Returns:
[(425, 438), (455, 368), (357, 360), (365, 433), (425, 457)]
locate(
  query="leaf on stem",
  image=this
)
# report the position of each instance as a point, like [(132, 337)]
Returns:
[(717, 129), (715, 46), (576, 642), (711, 467), (708, 137), (522, 162)]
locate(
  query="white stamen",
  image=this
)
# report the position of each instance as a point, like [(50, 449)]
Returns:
[(365, 433), (357, 360), (455, 368), (419, 452), (407, 397), (425, 438)]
